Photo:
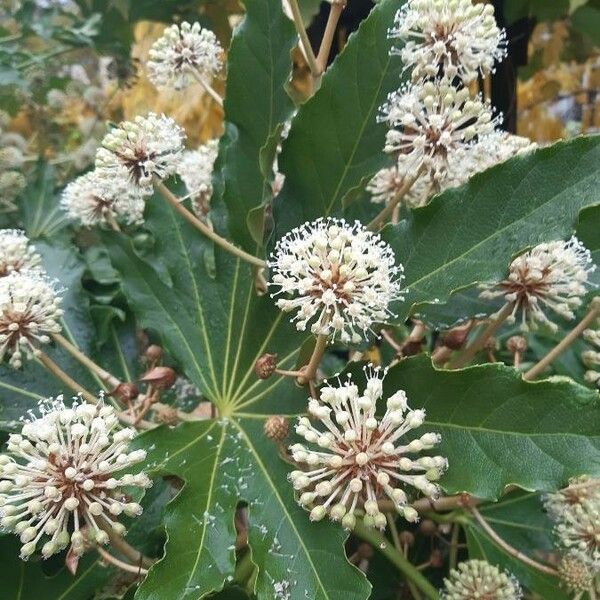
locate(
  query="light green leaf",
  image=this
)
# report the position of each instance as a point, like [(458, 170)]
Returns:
[(498, 430), (470, 234), (256, 103), (335, 142)]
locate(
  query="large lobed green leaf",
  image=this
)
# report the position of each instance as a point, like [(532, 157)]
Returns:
[(498, 430), (256, 104), (335, 142), (470, 234)]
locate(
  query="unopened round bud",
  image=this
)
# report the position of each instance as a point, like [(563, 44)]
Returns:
[(436, 559), (125, 392), (153, 353), (516, 343), (428, 527), (276, 428), (455, 338), (491, 344), (265, 366), (406, 538), (160, 377)]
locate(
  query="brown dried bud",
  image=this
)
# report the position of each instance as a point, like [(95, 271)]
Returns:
[(265, 366), (276, 428), (516, 344), (412, 347), (574, 574), (365, 550), (491, 344), (427, 527), (406, 538), (125, 392), (436, 560), (153, 353), (166, 414), (455, 338), (160, 377)]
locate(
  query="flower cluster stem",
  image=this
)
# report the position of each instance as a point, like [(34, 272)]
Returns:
[(547, 360), (310, 370), (208, 88), (109, 558), (335, 12), (128, 551), (205, 229), (379, 542), (308, 51), (479, 342)]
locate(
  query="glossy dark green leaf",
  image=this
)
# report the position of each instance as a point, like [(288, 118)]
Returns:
[(256, 104), (520, 520), (335, 142), (470, 234), (498, 430)]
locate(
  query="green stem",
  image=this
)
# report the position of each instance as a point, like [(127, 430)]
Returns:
[(378, 541)]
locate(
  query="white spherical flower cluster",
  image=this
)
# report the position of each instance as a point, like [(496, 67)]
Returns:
[(478, 580), (147, 147), (576, 512), (29, 311), (551, 277), (61, 479), (361, 458), (99, 197), (16, 253), (431, 120), (183, 53), (591, 358), (339, 277), (196, 169), (453, 38)]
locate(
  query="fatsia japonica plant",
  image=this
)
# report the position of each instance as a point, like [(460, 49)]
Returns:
[(350, 349)]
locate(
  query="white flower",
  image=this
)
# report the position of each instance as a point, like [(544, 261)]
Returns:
[(338, 276), (16, 253), (550, 277), (452, 38), (591, 358), (360, 458), (196, 170), (431, 120), (29, 311), (62, 473), (478, 579), (181, 52), (576, 511), (100, 197), (148, 146)]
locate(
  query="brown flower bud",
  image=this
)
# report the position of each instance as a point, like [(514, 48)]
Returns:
[(456, 337), (125, 392), (412, 347), (406, 538), (491, 344), (436, 560), (265, 366), (516, 343), (276, 428), (153, 353), (166, 414), (365, 550), (427, 527), (160, 377)]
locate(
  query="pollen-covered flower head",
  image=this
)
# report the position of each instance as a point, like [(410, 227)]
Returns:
[(147, 146), (355, 458), (29, 312), (338, 277), (182, 51), (455, 38), (62, 480), (16, 252), (100, 197), (430, 120), (551, 277), (479, 580), (196, 170)]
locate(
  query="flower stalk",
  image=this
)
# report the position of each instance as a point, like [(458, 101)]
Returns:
[(335, 12), (305, 42), (309, 372), (207, 87)]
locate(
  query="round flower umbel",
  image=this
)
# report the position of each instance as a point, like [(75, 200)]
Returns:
[(63, 472), (196, 170), (454, 38), (16, 253), (339, 277), (550, 277), (99, 197), (29, 311), (360, 458), (591, 358), (479, 580), (431, 120), (147, 146), (182, 54)]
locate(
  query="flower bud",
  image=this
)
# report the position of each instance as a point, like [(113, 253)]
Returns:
[(160, 377), (276, 428), (265, 366)]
